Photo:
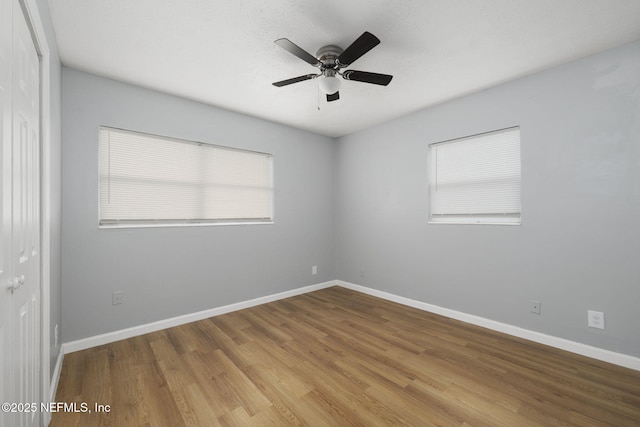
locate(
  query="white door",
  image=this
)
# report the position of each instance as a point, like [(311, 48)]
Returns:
[(20, 217), (6, 269)]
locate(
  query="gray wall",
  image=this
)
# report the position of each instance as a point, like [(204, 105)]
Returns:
[(55, 181), (165, 272), (578, 247)]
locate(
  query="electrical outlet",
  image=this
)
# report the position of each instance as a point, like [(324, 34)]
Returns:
[(314, 270), (596, 319), (534, 306), (118, 297)]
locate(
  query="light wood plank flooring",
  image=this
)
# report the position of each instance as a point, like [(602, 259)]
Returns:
[(336, 357)]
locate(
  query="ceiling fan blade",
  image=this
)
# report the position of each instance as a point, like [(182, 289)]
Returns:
[(362, 45), (295, 80), (291, 47), (333, 97), (366, 77)]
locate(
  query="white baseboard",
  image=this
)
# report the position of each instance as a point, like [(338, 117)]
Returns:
[(55, 379), (575, 347), (110, 337)]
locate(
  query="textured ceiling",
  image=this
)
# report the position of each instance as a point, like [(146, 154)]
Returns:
[(221, 52)]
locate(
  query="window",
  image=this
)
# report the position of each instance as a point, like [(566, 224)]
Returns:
[(476, 180), (153, 180)]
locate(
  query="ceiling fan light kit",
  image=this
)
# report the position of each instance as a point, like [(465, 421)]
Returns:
[(330, 60), (329, 84)]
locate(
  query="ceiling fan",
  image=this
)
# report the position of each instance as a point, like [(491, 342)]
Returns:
[(330, 60)]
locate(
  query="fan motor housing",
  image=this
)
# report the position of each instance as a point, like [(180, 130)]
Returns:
[(328, 54)]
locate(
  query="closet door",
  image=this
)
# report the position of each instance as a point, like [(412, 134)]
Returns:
[(20, 328), (26, 216), (6, 269)]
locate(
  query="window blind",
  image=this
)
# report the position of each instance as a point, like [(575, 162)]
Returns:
[(149, 179), (476, 179)]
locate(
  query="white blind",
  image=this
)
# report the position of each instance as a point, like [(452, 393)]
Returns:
[(476, 179), (151, 179)]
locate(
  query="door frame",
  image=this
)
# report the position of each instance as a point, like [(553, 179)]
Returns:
[(32, 15)]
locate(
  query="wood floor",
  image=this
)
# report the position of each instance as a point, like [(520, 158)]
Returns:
[(336, 357)]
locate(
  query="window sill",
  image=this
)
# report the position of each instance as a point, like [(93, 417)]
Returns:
[(195, 224), (472, 223)]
